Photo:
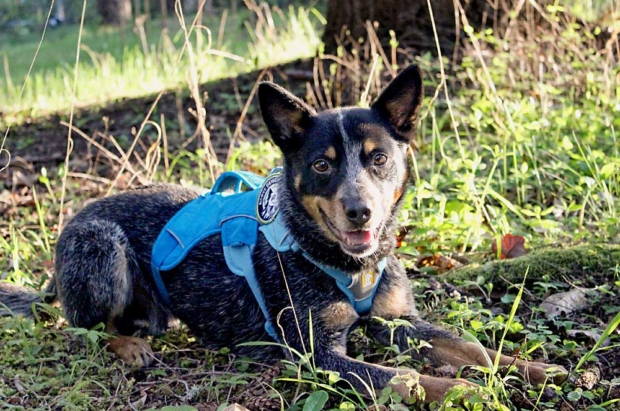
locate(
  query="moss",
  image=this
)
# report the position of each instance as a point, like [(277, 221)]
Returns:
[(579, 264)]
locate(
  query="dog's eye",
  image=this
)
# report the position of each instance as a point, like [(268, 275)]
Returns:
[(321, 166), (379, 159)]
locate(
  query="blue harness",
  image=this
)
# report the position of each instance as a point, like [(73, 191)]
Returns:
[(238, 216)]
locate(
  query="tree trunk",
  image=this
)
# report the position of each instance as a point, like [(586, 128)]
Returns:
[(411, 20), (137, 8), (115, 11), (59, 10), (190, 6)]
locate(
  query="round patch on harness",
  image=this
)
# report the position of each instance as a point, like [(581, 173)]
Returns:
[(267, 206)]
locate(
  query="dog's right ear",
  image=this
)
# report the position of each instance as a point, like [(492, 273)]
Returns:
[(286, 116)]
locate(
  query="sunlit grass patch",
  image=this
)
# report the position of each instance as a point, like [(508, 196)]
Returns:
[(116, 64)]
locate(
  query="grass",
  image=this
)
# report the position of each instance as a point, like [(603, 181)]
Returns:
[(539, 164), (531, 149), (116, 63)]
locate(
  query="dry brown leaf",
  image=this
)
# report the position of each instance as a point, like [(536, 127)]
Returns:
[(440, 263), (564, 303), (23, 179), (593, 335)]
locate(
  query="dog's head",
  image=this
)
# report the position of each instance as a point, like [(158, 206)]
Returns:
[(347, 167)]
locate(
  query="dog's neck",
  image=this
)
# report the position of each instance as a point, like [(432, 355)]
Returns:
[(313, 241)]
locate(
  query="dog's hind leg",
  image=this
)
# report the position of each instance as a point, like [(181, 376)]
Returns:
[(96, 269)]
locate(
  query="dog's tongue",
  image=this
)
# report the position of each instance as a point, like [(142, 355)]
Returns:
[(358, 237)]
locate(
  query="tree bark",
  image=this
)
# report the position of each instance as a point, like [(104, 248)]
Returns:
[(115, 11), (411, 21), (190, 6)]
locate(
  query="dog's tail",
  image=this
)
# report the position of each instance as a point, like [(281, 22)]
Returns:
[(18, 300)]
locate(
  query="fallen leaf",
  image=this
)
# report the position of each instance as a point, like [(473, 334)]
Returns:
[(589, 378), (139, 403), (235, 407), (18, 385), (48, 265), (593, 335), (439, 263), (512, 246), (23, 179), (564, 303)]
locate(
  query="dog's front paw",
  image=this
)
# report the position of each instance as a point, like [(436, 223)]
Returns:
[(133, 351), (435, 389), (538, 372)]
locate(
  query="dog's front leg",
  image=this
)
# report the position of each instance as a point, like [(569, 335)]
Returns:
[(329, 345), (394, 300)]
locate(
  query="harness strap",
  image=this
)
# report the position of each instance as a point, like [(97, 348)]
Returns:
[(237, 257), (359, 294), (232, 182), (159, 283)]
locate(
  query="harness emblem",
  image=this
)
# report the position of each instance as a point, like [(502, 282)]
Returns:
[(267, 206), (368, 279)]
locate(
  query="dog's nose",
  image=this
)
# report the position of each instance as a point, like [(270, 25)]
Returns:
[(358, 212)]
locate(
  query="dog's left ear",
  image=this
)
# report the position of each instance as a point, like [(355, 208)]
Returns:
[(286, 116), (400, 101)]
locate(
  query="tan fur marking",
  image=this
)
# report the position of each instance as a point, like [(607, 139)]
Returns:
[(297, 181), (398, 193), (330, 153), (395, 107), (369, 146), (400, 190), (313, 204), (338, 315), (457, 353), (336, 212), (394, 303)]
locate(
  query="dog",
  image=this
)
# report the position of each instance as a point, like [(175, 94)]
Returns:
[(344, 175)]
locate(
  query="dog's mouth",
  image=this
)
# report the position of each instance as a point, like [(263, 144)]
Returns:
[(358, 243)]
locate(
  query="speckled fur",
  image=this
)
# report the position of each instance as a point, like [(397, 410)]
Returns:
[(103, 254)]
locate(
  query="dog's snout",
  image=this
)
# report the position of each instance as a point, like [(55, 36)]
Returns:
[(358, 212)]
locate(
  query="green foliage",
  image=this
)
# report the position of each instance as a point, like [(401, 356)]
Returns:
[(316, 401), (532, 150), (117, 63), (537, 157)]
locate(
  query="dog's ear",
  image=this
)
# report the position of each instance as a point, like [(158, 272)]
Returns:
[(400, 101), (286, 116)]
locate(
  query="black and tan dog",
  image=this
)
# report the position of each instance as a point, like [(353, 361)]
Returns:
[(345, 173)]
